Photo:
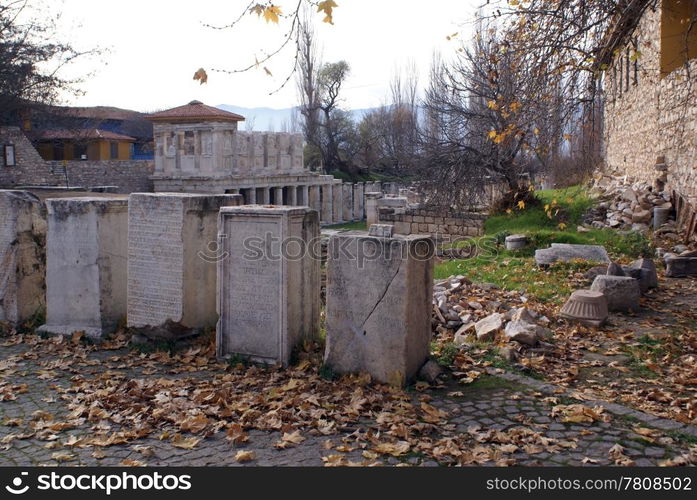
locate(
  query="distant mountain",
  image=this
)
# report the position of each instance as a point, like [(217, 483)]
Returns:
[(269, 119)]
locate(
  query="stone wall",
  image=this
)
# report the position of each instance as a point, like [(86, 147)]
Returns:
[(444, 224), (129, 176), (652, 114), (31, 170)]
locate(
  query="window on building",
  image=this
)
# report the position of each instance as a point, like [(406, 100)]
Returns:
[(635, 57), (80, 151), (9, 154), (114, 150), (621, 75), (626, 75)]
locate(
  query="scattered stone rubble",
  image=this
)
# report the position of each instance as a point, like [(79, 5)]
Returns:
[(482, 312), (627, 205)]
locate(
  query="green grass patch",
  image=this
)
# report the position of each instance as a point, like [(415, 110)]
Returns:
[(518, 273), (682, 437), (445, 353), (489, 261)]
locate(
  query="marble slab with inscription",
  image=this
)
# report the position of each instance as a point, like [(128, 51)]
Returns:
[(268, 284), (172, 255)]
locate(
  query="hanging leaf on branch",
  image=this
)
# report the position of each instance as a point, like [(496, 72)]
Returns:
[(201, 76)]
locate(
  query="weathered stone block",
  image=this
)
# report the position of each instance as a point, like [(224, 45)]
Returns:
[(564, 252), (268, 281), (172, 255), (678, 267), (648, 277), (86, 253), (347, 200), (22, 256), (381, 230), (622, 292), (379, 293)]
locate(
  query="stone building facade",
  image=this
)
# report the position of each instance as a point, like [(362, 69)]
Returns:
[(650, 114), (198, 148)]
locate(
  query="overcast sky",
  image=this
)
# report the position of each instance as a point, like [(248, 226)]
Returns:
[(155, 46)]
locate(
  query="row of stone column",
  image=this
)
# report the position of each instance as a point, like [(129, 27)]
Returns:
[(335, 201), (176, 264)]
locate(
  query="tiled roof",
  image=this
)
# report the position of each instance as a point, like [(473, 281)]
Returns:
[(195, 111), (82, 134)]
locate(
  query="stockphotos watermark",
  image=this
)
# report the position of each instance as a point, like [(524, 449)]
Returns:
[(101, 483), (270, 247)]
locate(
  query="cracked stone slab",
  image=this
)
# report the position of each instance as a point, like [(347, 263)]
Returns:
[(379, 293)]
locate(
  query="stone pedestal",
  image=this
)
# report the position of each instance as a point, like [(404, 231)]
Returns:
[(358, 201), (268, 282), (22, 256), (86, 253), (327, 204), (337, 202), (347, 210), (379, 294), (371, 207), (172, 255), (314, 201)]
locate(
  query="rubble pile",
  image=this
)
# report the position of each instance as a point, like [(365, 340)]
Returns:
[(472, 312), (625, 204)]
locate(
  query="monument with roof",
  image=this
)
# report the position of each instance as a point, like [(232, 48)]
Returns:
[(198, 148)]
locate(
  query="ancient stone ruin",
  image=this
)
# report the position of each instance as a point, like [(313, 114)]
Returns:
[(22, 256), (86, 255), (379, 293), (171, 267), (268, 281)]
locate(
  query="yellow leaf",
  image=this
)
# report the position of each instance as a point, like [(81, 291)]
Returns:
[(129, 462), (201, 75), (394, 449), (562, 226), (521, 205), (186, 443), (243, 456), (271, 13), (62, 457), (492, 105), (492, 134), (536, 131), (327, 6), (293, 437)]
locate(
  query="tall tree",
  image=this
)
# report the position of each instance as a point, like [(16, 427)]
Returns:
[(31, 59), (308, 65)]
